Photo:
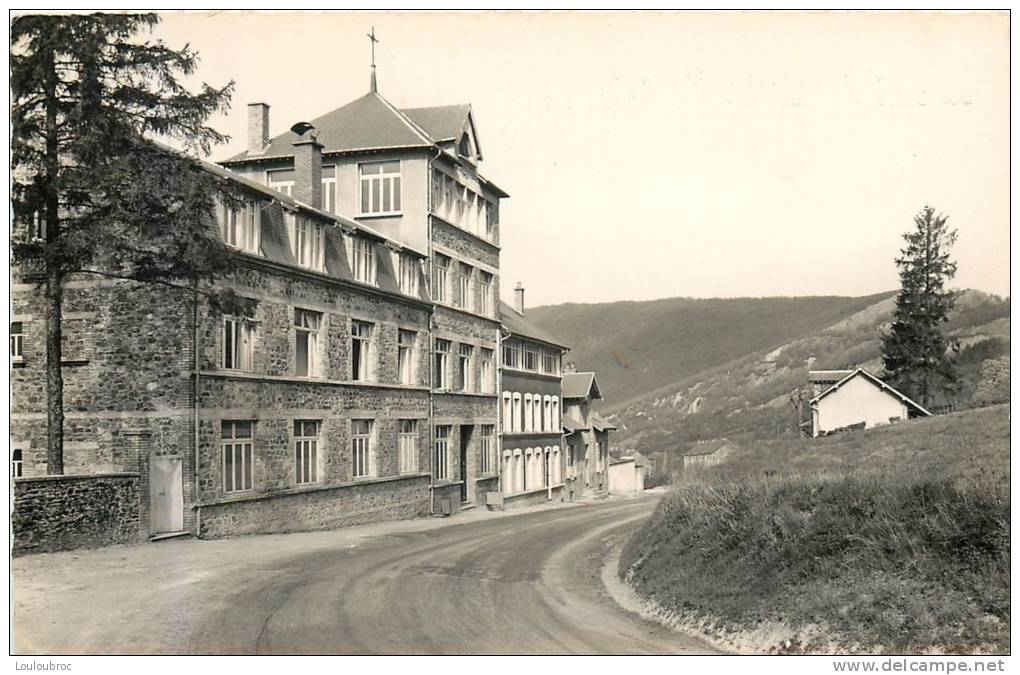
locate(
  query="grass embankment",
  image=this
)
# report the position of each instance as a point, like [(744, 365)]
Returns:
[(894, 540)]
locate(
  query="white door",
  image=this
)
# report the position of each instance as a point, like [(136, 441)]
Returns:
[(166, 494)]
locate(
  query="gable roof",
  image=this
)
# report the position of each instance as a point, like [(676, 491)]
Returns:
[(570, 424), (580, 385), (366, 123), (875, 380), (600, 423), (443, 122), (522, 327)]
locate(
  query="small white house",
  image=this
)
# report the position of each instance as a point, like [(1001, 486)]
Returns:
[(860, 399), (626, 476)]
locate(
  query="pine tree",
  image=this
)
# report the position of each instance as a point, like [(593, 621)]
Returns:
[(916, 354), (93, 193)]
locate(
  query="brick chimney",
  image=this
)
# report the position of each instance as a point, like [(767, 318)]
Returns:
[(307, 165), (258, 128), (519, 298), (569, 367)]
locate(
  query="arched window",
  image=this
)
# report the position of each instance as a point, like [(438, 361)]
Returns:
[(557, 469), (518, 470), (516, 424), (508, 411), (508, 472), (547, 416), (538, 413), (556, 413), (529, 414)]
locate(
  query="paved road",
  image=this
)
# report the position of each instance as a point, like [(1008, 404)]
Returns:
[(477, 583)]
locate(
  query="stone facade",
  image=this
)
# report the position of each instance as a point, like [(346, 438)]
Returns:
[(57, 513)]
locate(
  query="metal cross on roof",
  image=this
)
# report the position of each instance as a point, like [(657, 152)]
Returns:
[(373, 39)]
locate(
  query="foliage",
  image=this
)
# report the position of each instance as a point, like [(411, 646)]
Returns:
[(915, 351), (994, 384), (891, 540), (93, 193)]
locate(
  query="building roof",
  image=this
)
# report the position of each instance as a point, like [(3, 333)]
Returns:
[(443, 123), (571, 424), (875, 380), (373, 123), (600, 423), (708, 447), (580, 385), (520, 326), (827, 375)]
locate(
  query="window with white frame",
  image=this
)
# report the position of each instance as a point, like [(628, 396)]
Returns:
[(361, 253), (240, 226), (508, 412), (547, 417), (529, 413), (281, 180), (306, 241), (405, 356), (517, 421), (486, 449), (17, 335), (464, 355), (441, 464), (16, 462), (537, 403), (363, 462), (557, 426), (440, 292), (485, 381), (329, 188), (462, 290), (361, 350), (442, 353), (550, 362), (491, 219), (380, 187), (306, 451), (512, 354), (236, 443), (238, 343), (484, 293), (530, 358), (407, 272), (407, 446), (306, 343)]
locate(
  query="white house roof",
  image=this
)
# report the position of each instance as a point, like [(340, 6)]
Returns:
[(861, 372)]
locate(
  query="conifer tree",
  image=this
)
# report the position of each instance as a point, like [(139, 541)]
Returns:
[(915, 352), (92, 192)]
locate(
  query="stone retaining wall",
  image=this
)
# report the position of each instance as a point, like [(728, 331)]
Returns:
[(59, 513)]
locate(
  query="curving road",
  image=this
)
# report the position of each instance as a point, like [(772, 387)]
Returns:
[(479, 583)]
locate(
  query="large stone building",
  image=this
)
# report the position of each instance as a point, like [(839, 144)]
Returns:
[(363, 388)]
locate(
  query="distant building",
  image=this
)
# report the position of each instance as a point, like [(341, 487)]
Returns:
[(627, 474), (857, 399), (708, 453), (587, 435)]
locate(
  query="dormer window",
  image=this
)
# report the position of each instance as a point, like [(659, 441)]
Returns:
[(306, 241), (407, 272), (361, 253), (380, 188), (240, 226)]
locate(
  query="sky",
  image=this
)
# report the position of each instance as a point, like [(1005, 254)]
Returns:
[(653, 155)]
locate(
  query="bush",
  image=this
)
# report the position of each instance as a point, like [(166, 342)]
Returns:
[(894, 540)]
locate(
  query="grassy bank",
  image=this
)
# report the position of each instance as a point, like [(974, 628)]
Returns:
[(891, 540)]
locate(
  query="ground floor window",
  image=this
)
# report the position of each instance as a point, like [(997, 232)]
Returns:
[(407, 446), (237, 454), (487, 459), (442, 452), (361, 448), (306, 451)]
